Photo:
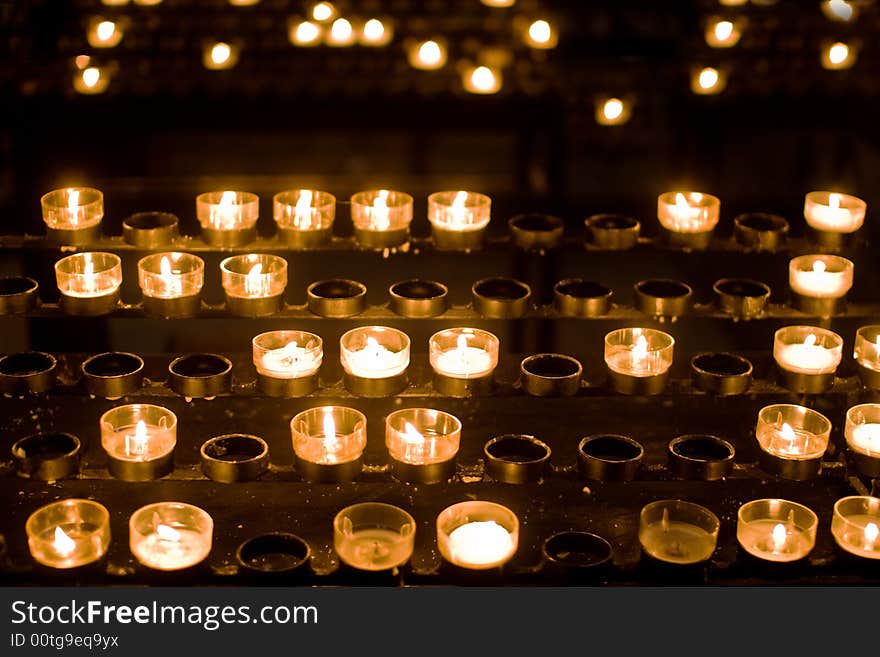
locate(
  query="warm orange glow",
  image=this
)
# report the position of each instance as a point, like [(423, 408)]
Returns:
[(341, 33), (428, 55), (220, 53), (612, 111), (91, 76), (541, 34), (323, 11), (838, 56), (305, 33), (482, 80)]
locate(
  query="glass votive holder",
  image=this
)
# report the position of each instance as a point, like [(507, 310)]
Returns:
[(304, 217), (381, 218), (374, 360), (578, 297), (328, 443), (515, 458), (687, 219), (171, 284), (18, 294), (500, 297), (819, 283), (89, 282), (287, 362), (866, 353), (47, 456), (638, 360), (254, 284), (234, 457), (69, 533), (862, 433), (458, 219), (422, 444), (73, 215), (463, 361), (28, 372), (228, 218), (550, 375), (536, 232), (792, 439), (202, 376), (807, 357), (477, 535), (373, 536), (170, 535), (721, 373), (678, 532), (139, 440), (760, 231), (776, 530), (700, 456), (113, 374), (855, 526), (833, 217), (611, 232), (741, 298), (337, 297), (150, 230), (663, 298), (418, 298), (609, 458)]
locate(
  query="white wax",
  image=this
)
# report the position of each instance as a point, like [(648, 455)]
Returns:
[(190, 548), (629, 362), (866, 438), (289, 362), (807, 358), (375, 361), (836, 220), (125, 444), (480, 544), (821, 284), (790, 444), (763, 539), (464, 363)]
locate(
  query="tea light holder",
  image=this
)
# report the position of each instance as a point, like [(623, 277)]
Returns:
[(150, 230), (609, 458), (662, 297), (28, 372), (638, 360), (47, 456), (69, 533), (741, 298), (171, 284), (381, 218), (89, 282), (688, 219), (516, 459), (501, 298), (463, 361), (422, 444), (458, 219), (760, 231), (612, 232), (254, 284), (170, 536), (113, 374), (536, 232), (304, 217), (477, 535), (833, 218), (373, 536), (678, 532), (73, 215), (18, 295), (862, 433), (551, 375), (288, 363), (807, 357), (866, 353), (328, 443), (200, 375), (274, 555), (576, 557), (793, 440), (700, 456), (819, 283), (374, 360), (776, 530), (855, 526), (418, 298), (337, 297), (721, 373), (234, 457), (578, 297), (139, 440), (228, 218)]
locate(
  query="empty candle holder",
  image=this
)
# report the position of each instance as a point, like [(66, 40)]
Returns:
[(577, 297), (678, 532), (29, 372), (200, 375), (113, 374), (228, 218), (516, 458), (807, 358), (374, 360), (381, 218), (73, 215), (150, 230), (833, 218), (776, 530), (171, 284), (742, 298), (373, 536), (793, 440), (458, 219), (234, 457), (18, 294), (819, 283), (47, 456), (288, 363), (551, 375), (275, 555), (536, 232), (418, 298), (89, 282), (855, 526), (576, 557), (638, 360), (463, 361), (501, 298), (170, 536), (612, 232), (254, 284), (721, 373), (422, 444), (862, 433), (609, 458), (477, 535), (337, 297), (304, 217), (760, 231), (328, 443), (700, 456), (139, 440), (69, 533), (687, 219), (661, 297), (866, 353)]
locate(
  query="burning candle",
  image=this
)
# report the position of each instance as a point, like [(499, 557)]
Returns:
[(288, 362), (867, 355), (477, 535), (458, 219), (69, 533), (304, 217), (254, 283), (374, 536), (171, 283), (819, 283), (139, 440), (856, 525), (328, 442), (792, 439), (723, 33), (422, 443), (688, 217), (776, 530), (807, 357), (73, 214), (834, 212), (463, 359), (381, 218), (89, 282), (638, 359), (678, 532), (104, 33), (170, 535), (375, 360), (228, 218), (862, 433)]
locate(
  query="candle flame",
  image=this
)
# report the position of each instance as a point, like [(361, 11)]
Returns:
[(91, 76), (89, 281), (819, 266), (373, 30), (838, 53), (458, 210), (640, 350), (787, 432), (73, 200), (303, 210), (612, 109), (62, 543), (779, 537), (462, 343), (871, 533), (680, 201), (137, 444), (254, 284), (834, 201), (810, 340), (227, 200), (411, 435), (379, 216), (220, 53), (167, 533), (105, 30), (723, 30), (165, 267), (430, 54)]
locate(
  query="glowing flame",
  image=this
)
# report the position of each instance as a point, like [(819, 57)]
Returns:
[(303, 210), (834, 201), (430, 55), (723, 30), (681, 202), (167, 533), (810, 340), (379, 216), (89, 280), (105, 30), (708, 78), (779, 537), (458, 211), (165, 267), (462, 343), (640, 350), (840, 9), (254, 283), (787, 432), (91, 76), (411, 435), (484, 80), (137, 445), (306, 32), (224, 214), (612, 109), (73, 204), (62, 543), (838, 53), (373, 30), (220, 53), (871, 534), (323, 11), (341, 32), (540, 32), (819, 266)]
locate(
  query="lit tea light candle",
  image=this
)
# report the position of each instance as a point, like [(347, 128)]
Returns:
[(381, 218), (374, 536), (104, 33), (328, 442), (638, 359), (541, 35), (807, 357), (776, 530), (422, 443), (458, 219), (171, 283), (838, 56), (481, 80), (375, 360), (220, 55), (139, 440), (287, 362), (89, 282), (866, 353), (254, 283), (792, 439), (228, 218), (73, 214), (477, 535), (833, 217), (463, 360), (170, 535), (304, 217), (855, 525), (819, 283), (69, 533), (862, 433), (375, 33), (688, 217), (427, 55), (678, 532), (723, 33), (612, 111)]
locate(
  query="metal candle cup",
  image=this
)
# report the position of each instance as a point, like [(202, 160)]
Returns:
[(170, 535), (742, 298), (463, 361), (458, 219), (337, 297), (700, 456), (721, 373), (661, 297), (792, 439), (150, 230), (328, 443), (688, 218), (287, 362), (776, 530), (418, 298), (228, 218), (516, 458), (855, 526), (29, 372), (18, 294), (807, 357), (274, 555), (862, 433), (254, 284), (819, 283), (422, 444), (759, 231), (73, 215), (477, 535), (536, 232), (500, 297), (113, 374), (304, 217), (89, 282), (47, 456), (200, 375), (833, 217), (381, 218), (866, 353), (638, 360), (375, 360), (234, 457), (577, 297), (171, 284), (374, 536), (678, 532), (609, 458), (614, 232), (69, 533), (139, 440), (551, 375), (577, 557)]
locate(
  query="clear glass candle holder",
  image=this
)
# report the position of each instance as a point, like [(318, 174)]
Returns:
[(171, 275), (638, 359), (69, 533), (688, 212), (89, 274), (855, 525), (170, 535), (139, 440), (287, 354), (834, 212), (227, 210), (791, 431), (458, 218), (866, 353), (477, 535), (678, 532), (328, 435), (464, 353), (374, 352), (304, 209), (776, 530), (254, 283), (374, 536), (820, 276), (381, 217), (862, 429), (72, 208), (807, 349), (422, 436)]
